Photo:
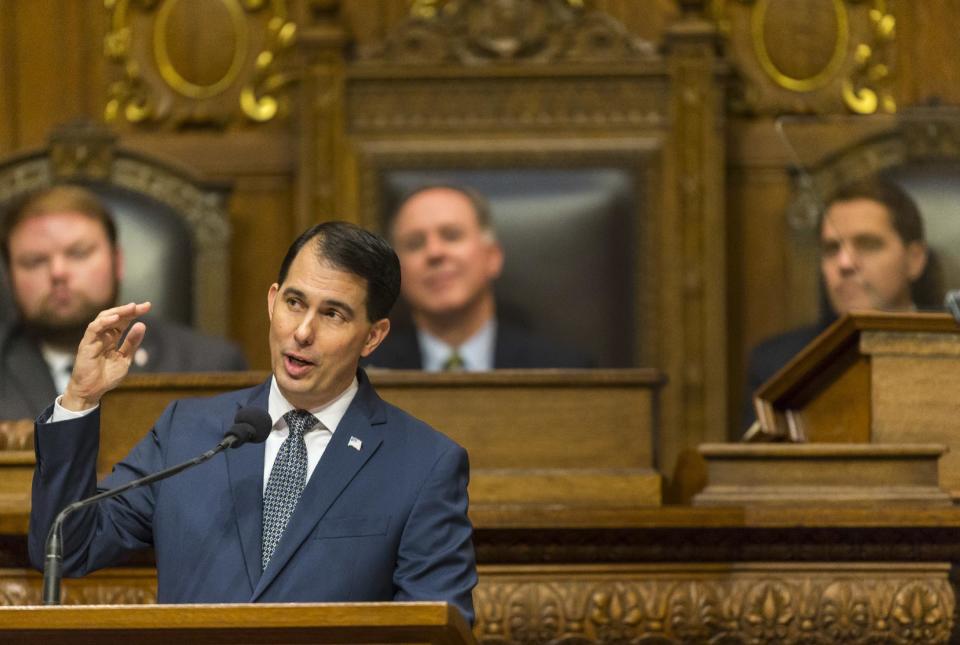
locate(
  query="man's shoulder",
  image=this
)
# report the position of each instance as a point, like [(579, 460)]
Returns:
[(519, 347), (225, 403), (172, 347), (417, 433), (767, 357), (789, 342), (399, 350)]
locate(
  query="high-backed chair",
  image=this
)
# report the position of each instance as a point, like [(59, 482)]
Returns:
[(569, 239), (174, 229)]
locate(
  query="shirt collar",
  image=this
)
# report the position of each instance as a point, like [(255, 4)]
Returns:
[(329, 414), (476, 352)]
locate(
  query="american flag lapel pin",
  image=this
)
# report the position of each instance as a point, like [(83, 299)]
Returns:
[(355, 443)]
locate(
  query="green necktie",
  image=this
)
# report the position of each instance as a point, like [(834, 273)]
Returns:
[(454, 362)]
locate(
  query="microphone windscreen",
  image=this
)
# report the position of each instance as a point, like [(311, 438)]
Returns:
[(250, 425), (952, 303)]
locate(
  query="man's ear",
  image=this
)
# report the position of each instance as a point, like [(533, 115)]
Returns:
[(118, 264), (378, 331), (494, 260), (917, 254), (271, 298)]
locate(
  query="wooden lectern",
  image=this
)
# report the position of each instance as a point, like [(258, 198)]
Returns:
[(418, 622), (880, 378)]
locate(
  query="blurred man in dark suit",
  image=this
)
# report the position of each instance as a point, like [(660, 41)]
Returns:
[(873, 256), (450, 259), (60, 251)]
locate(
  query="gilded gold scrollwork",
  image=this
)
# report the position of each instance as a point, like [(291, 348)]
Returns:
[(813, 81), (257, 98), (153, 84), (173, 76), (820, 56), (865, 91)]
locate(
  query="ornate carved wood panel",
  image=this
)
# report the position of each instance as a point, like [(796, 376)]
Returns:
[(520, 83), (822, 56), (825, 603), (197, 63), (758, 603)]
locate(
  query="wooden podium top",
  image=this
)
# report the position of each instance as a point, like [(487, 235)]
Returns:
[(388, 622), (813, 397)]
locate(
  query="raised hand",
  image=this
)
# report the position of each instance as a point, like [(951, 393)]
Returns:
[(100, 364)]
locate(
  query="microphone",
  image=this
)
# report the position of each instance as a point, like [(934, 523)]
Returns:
[(952, 304), (250, 425)]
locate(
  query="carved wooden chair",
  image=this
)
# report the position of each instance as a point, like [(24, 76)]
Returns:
[(576, 192)]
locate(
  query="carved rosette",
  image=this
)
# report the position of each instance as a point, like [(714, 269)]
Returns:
[(819, 56), (484, 32), (822, 606), (197, 63)]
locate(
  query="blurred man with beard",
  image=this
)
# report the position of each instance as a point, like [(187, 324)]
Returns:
[(449, 259), (60, 251)]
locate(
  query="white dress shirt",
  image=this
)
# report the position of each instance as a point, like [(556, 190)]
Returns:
[(477, 352), (60, 364), (316, 439)]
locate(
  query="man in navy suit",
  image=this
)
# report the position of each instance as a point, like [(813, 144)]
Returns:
[(383, 510), (450, 258)]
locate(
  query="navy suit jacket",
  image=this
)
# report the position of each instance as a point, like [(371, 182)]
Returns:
[(387, 521), (514, 348)]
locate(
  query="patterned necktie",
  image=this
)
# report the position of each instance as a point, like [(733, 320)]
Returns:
[(287, 479)]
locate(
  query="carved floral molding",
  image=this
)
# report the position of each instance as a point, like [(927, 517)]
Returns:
[(839, 606), (761, 603)]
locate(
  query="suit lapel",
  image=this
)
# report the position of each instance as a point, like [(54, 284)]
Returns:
[(245, 473), (340, 463), (27, 368)]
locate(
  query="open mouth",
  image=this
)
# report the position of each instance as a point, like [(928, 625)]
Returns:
[(295, 365)]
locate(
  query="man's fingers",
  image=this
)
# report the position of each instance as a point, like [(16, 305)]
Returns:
[(132, 342), (117, 318)]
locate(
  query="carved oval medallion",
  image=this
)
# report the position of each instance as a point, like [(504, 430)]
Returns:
[(800, 44), (200, 45)]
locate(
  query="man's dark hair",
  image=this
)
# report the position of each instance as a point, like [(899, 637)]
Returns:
[(347, 247), (61, 198), (905, 218), (481, 207), (904, 214)]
